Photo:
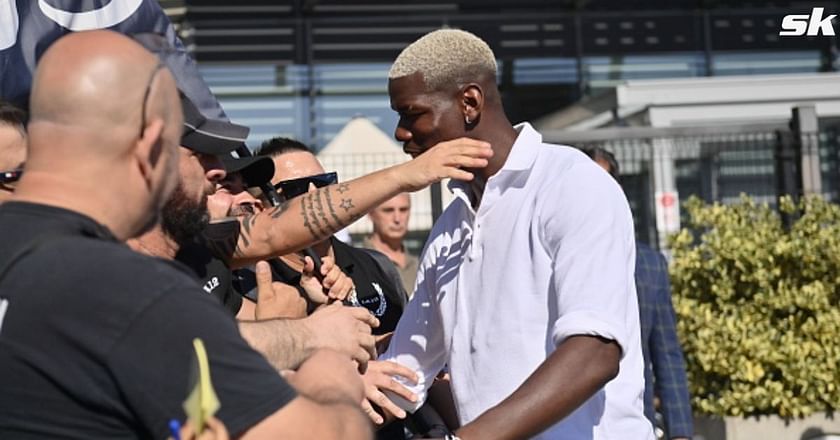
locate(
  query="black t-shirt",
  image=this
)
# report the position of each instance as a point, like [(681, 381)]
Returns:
[(375, 290), (96, 340), (213, 274)]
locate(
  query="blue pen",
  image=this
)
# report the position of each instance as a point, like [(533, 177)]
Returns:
[(175, 429)]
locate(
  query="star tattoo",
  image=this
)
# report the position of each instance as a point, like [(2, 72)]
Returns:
[(343, 188), (347, 204)]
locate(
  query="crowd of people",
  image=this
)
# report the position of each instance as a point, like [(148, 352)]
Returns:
[(129, 229)]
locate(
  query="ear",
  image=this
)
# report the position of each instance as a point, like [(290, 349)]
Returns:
[(472, 103), (148, 150)]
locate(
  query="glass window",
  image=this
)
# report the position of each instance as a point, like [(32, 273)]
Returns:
[(756, 63)]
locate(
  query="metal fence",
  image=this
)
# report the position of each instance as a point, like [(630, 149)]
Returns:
[(715, 164), (715, 167)]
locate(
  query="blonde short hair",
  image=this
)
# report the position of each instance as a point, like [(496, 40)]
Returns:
[(445, 57)]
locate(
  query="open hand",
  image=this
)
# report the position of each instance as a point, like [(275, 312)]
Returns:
[(380, 376), (449, 159)]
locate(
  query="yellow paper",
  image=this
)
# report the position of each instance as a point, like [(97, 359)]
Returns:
[(202, 403)]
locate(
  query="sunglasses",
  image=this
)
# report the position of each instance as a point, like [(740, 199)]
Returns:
[(290, 189)]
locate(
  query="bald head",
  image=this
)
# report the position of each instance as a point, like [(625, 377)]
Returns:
[(105, 114), (95, 82)]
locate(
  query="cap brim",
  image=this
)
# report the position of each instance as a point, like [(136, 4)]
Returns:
[(255, 170), (214, 137)]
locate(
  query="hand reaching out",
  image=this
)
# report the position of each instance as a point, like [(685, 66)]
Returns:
[(336, 285), (379, 377)]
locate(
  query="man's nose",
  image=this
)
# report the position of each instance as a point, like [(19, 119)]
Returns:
[(214, 169), (402, 135)]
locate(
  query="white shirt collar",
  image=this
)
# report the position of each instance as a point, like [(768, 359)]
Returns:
[(522, 155)]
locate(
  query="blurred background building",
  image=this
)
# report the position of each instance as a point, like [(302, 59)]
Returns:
[(693, 96)]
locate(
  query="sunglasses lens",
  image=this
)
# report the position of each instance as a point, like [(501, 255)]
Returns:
[(326, 179), (292, 188)]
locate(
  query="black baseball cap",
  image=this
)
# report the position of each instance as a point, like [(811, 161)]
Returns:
[(210, 136), (255, 170)]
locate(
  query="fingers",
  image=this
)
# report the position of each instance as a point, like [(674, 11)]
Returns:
[(466, 148), (187, 432), (468, 143), (215, 430), (361, 357), (391, 369), (458, 174), (308, 266), (335, 281), (382, 376), (371, 413), (330, 272), (264, 287), (362, 314), (469, 162), (386, 404), (372, 394), (342, 288), (367, 347)]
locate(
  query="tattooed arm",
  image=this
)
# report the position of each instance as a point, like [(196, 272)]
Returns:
[(314, 216)]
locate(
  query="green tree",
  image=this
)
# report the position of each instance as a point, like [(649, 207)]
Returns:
[(757, 307)]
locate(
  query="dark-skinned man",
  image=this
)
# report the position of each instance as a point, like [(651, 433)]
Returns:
[(525, 287)]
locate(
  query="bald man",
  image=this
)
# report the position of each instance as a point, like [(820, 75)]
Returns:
[(390, 226), (94, 341)]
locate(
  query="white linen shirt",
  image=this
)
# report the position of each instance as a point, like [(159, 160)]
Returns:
[(549, 254)]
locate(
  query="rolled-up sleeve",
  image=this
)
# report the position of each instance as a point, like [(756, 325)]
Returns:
[(591, 243)]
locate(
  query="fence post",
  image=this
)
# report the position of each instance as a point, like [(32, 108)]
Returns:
[(804, 127), (788, 182), (666, 199)]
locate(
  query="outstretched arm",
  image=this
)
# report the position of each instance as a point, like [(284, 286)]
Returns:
[(314, 216), (327, 405), (286, 343)]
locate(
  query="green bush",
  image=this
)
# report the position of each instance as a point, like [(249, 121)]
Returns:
[(757, 307)]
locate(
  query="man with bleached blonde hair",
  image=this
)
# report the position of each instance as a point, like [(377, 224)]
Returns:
[(525, 287)]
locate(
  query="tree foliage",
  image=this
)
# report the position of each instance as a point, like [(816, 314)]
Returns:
[(757, 307)]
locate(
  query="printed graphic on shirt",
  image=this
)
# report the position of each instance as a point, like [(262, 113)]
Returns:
[(376, 304), (211, 285)]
